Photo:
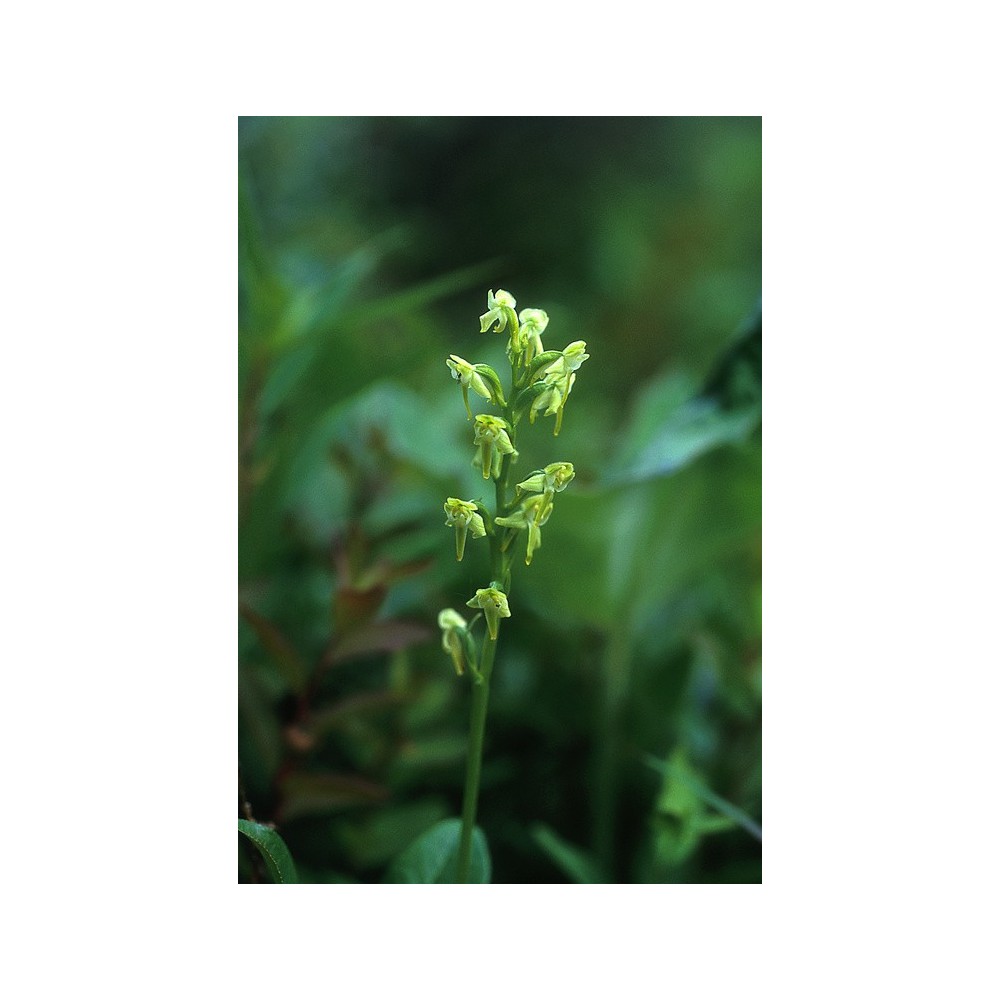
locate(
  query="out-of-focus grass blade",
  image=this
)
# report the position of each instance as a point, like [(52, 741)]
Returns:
[(272, 848), (669, 431), (717, 802), (574, 862), (414, 299)]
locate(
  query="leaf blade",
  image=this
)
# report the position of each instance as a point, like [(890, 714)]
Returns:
[(273, 850), (433, 857), (575, 863)]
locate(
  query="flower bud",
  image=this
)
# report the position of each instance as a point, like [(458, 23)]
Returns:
[(453, 629)]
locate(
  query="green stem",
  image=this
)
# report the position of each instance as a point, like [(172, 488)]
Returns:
[(500, 570), (614, 684), (477, 731)]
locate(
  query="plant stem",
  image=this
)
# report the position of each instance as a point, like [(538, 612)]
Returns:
[(500, 571), (477, 731), (614, 684)]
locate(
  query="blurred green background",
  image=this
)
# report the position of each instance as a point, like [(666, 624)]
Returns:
[(623, 741)]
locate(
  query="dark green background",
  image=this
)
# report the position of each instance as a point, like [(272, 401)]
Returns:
[(623, 741)]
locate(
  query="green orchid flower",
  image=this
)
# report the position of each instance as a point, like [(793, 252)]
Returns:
[(468, 378), (499, 311), (493, 602), (494, 442), (552, 479), (552, 400), (462, 516), (533, 324), (558, 379), (454, 630), (569, 360), (533, 513)]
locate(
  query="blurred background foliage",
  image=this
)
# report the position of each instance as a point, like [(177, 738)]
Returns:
[(623, 742)]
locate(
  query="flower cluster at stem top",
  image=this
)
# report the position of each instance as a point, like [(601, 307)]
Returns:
[(540, 384)]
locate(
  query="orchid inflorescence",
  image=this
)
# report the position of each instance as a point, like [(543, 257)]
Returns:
[(540, 384)]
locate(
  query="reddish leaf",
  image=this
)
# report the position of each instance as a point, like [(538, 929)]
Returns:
[(280, 648), (332, 717), (377, 637), (316, 794)]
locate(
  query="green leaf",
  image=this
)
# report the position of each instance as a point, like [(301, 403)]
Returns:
[(420, 296), (670, 427), (378, 637), (433, 857), (733, 815), (374, 838), (574, 862), (272, 848)]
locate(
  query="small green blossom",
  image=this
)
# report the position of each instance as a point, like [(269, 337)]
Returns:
[(533, 324), (493, 441), (468, 378), (534, 512), (569, 360), (499, 311), (553, 478), (494, 605), (462, 516), (552, 400), (558, 380), (453, 627)]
